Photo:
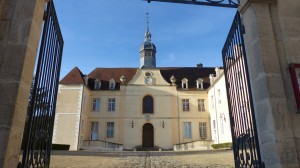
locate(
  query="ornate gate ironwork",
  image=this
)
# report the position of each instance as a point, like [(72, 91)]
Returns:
[(37, 138), (218, 3), (242, 117)]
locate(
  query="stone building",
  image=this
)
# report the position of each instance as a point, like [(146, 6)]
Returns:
[(218, 108), (132, 108)]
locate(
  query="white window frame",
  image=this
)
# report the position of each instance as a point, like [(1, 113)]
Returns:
[(202, 130), (201, 104), (112, 84), (222, 123), (184, 83), (96, 105), (187, 130), (111, 104), (97, 84), (94, 130), (185, 104), (199, 83), (110, 129)]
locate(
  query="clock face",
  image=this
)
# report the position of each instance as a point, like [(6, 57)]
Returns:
[(148, 81), (148, 74)]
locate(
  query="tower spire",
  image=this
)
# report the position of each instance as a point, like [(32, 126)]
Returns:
[(147, 50), (147, 21), (147, 34)]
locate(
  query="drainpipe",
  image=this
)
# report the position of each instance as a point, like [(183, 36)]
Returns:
[(79, 131), (216, 111), (178, 116)]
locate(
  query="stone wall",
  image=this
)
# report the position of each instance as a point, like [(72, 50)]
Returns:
[(272, 42), (20, 27)]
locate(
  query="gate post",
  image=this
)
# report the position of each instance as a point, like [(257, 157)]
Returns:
[(272, 41), (20, 27)]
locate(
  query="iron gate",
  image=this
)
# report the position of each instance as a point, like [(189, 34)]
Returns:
[(242, 118), (37, 138)]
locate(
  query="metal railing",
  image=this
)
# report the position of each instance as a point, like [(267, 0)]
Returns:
[(217, 3), (242, 117), (101, 145), (194, 145), (37, 138)]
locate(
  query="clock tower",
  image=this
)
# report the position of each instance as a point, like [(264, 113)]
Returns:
[(147, 50)]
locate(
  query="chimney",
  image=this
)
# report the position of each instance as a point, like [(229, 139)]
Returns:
[(211, 78), (200, 65), (86, 79)]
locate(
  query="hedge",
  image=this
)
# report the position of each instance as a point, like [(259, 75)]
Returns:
[(60, 147), (222, 145)]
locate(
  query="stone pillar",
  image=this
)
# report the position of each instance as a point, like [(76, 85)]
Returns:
[(20, 28), (272, 42)]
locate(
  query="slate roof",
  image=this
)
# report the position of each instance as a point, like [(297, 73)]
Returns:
[(105, 74), (75, 76), (190, 73)]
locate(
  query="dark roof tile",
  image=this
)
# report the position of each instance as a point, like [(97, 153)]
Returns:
[(190, 73), (105, 74), (75, 76)]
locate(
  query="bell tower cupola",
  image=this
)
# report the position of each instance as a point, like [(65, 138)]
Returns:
[(147, 50)]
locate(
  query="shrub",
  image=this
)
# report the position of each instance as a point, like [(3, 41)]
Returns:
[(60, 147), (222, 145)]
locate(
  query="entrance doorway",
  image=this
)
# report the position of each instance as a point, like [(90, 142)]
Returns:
[(148, 136)]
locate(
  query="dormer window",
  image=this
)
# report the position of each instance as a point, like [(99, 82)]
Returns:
[(184, 83), (97, 84), (199, 83), (112, 84)]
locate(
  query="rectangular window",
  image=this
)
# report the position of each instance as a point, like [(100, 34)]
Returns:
[(222, 125), (110, 130), (187, 130), (185, 104), (111, 104), (212, 101), (202, 130), (111, 86), (201, 106), (219, 96), (96, 104), (97, 85), (94, 130)]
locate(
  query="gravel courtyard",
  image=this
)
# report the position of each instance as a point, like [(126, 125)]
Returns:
[(182, 159)]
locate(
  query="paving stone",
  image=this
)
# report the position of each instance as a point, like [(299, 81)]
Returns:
[(171, 159)]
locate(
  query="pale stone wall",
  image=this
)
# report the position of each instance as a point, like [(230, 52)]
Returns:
[(219, 112), (68, 116), (167, 119), (20, 22), (272, 42), (194, 116)]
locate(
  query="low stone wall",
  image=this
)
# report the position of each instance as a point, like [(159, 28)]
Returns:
[(101, 145), (195, 145)]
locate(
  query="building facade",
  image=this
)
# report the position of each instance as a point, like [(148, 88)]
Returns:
[(218, 108), (135, 108)]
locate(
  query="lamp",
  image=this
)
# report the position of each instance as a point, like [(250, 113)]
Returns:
[(132, 124), (163, 124)]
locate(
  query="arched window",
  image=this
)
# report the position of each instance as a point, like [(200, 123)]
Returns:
[(148, 104)]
